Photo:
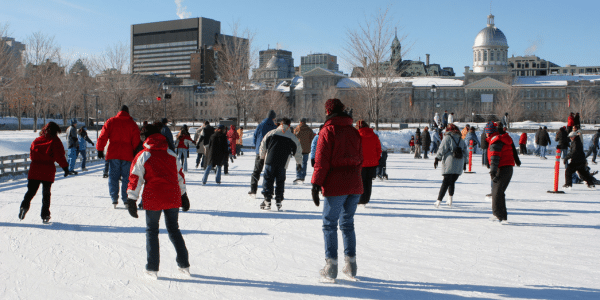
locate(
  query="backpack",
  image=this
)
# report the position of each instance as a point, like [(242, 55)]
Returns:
[(457, 151)]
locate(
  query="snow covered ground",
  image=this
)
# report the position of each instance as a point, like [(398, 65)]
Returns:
[(406, 249)]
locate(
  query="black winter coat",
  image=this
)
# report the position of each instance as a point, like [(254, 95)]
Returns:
[(544, 138), (484, 143), (207, 132), (576, 154), (426, 140), (418, 140), (217, 149), (562, 139)]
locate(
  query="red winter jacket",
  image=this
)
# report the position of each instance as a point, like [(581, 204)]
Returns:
[(570, 121), (43, 153), (338, 158), (523, 139), (122, 135), (371, 147), (185, 141), (411, 142), (232, 135), (158, 169), (500, 147)]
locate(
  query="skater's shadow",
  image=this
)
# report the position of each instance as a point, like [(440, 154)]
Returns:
[(579, 226), (273, 214), (372, 288), (114, 229)]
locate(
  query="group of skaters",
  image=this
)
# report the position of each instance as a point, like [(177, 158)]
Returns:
[(346, 157)]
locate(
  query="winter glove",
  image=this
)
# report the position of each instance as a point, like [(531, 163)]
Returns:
[(93, 144), (100, 154), (312, 162), (315, 194), (185, 202), (132, 208), (435, 163), (66, 171), (298, 167)]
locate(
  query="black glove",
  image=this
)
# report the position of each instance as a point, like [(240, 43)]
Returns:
[(100, 154), (132, 208), (312, 162), (315, 194), (435, 163), (298, 167), (66, 171), (185, 202), (93, 144)]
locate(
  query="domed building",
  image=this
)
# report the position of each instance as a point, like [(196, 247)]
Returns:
[(490, 50)]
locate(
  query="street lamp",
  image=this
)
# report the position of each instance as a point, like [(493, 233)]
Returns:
[(165, 88), (433, 90), (96, 112)]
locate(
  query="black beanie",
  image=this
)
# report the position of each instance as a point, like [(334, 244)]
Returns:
[(125, 108), (271, 114)]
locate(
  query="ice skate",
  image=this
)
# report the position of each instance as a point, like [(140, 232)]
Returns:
[(449, 201), (22, 213), (488, 197), (437, 203), (278, 204), (298, 181), (151, 274), (46, 220), (350, 268), (252, 194), (266, 204), (185, 271), (329, 272), (494, 219)]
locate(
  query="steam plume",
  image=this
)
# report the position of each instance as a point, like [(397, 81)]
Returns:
[(182, 12)]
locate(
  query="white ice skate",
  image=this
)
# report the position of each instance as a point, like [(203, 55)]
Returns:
[(437, 203), (151, 274), (185, 272), (449, 201)]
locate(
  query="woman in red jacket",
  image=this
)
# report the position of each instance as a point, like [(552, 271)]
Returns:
[(232, 136), (45, 150), (523, 144), (371, 153), (184, 141)]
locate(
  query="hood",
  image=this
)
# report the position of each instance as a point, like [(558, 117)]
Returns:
[(284, 128), (123, 114), (453, 133), (156, 141), (232, 127), (366, 132), (271, 115), (338, 119), (505, 138)]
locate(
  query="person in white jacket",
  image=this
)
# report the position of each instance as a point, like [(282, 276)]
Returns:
[(451, 118)]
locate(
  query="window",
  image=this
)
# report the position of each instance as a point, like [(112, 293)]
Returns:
[(527, 65), (564, 71), (581, 71), (479, 55), (491, 55), (518, 65), (535, 93), (528, 94), (542, 94), (562, 92), (484, 55), (196, 103)]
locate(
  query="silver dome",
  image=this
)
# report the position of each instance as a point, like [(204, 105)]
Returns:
[(490, 36), (272, 63)]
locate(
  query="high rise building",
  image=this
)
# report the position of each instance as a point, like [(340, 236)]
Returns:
[(274, 64), (318, 60)]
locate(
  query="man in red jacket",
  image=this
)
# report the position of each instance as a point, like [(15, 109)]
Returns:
[(158, 170), (123, 136), (338, 161), (502, 156), (523, 144), (45, 150)]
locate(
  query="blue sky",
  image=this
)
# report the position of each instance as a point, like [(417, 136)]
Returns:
[(564, 32)]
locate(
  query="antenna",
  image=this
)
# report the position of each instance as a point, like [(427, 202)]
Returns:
[(490, 7)]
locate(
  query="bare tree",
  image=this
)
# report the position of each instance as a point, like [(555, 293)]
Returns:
[(510, 101), (368, 50), (234, 63), (585, 101)]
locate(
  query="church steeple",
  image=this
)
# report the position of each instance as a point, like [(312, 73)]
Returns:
[(396, 49)]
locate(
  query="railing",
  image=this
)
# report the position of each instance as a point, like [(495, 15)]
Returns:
[(14, 165)]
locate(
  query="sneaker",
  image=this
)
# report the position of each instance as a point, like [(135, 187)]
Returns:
[(437, 203), (449, 201), (298, 181), (266, 204), (350, 266), (330, 269), (22, 213)]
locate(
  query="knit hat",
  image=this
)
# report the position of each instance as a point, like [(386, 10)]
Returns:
[(125, 108), (271, 115), (221, 126), (491, 128), (361, 124), (164, 121), (334, 106), (303, 120), (73, 121)]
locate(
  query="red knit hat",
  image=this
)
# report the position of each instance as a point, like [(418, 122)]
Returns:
[(334, 106)]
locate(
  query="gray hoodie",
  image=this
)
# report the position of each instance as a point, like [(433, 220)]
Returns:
[(450, 164)]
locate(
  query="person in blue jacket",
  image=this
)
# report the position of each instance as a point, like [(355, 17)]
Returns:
[(262, 129), (83, 140), (313, 147)]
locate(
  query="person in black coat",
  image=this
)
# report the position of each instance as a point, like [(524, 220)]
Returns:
[(216, 153), (543, 142), (426, 140), (418, 143), (168, 134), (577, 163), (207, 132), (594, 147), (562, 140), (577, 120), (484, 147)]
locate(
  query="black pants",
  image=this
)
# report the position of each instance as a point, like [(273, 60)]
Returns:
[(585, 175), (367, 175), (380, 169), (258, 167), (522, 149), (226, 164), (498, 188), (32, 187), (447, 184)]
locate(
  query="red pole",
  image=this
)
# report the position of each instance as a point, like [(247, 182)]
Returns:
[(556, 173), (470, 154)]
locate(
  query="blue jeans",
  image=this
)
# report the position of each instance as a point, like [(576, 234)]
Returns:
[(106, 164), (543, 151), (342, 208), (152, 246), (273, 176), (208, 169), (593, 150), (302, 173), (72, 159), (536, 152), (434, 147), (198, 159), (118, 169), (182, 154), (83, 157)]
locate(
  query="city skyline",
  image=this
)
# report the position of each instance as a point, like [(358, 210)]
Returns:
[(552, 30)]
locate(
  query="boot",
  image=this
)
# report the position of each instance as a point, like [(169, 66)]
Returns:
[(331, 268), (350, 266)]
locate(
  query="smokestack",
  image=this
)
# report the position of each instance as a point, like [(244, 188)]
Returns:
[(427, 59)]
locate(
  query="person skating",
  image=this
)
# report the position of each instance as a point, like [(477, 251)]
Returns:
[(452, 153), (577, 121), (425, 141), (168, 134), (563, 142), (570, 122), (523, 143), (44, 152), (435, 140), (484, 148), (199, 145), (275, 150), (184, 142), (472, 136), (305, 135), (436, 120), (544, 141), (122, 135), (451, 118), (262, 129), (594, 146), (240, 142), (464, 131), (502, 156), (577, 162), (371, 148), (232, 136), (216, 153), (536, 137), (338, 162), (411, 144), (158, 170), (418, 143), (505, 121), (83, 140), (207, 132), (72, 146), (380, 171), (445, 119)]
